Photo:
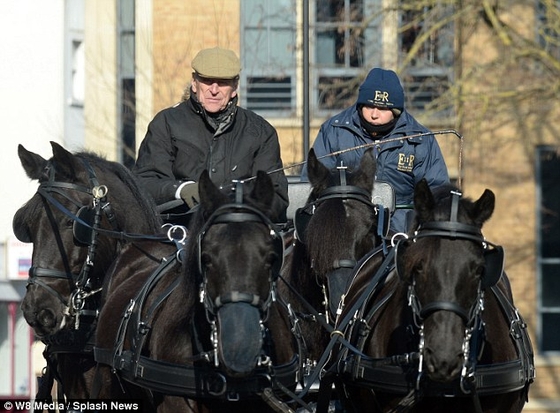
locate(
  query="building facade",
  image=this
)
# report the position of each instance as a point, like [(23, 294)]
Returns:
[(463, 67)]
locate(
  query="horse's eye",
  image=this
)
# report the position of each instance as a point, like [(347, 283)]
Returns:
[(418, 270), (479, 271), (271, 260)]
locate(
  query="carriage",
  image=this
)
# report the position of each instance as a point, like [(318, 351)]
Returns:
[(327, 312)]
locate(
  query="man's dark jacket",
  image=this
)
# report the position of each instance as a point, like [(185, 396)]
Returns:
[(181, 143)]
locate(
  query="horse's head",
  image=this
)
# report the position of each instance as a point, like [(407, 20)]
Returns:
[(239, 258), (341, 222), (447, 264), (77, 197)]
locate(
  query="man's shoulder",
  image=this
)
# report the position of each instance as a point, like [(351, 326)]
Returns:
[(248, 113), (172, 111), (249, 117)]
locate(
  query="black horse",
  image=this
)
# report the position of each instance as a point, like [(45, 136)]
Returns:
[(336, 228), (213, 335), (439, 333), (75, 221)]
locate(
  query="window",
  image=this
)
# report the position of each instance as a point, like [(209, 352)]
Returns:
[(342, 51), (268, 75), (346, 39), (127, 82), (548, 248), (426, 48)]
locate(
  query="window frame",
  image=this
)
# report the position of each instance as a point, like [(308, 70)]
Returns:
[(544, 309), (282, 79), (437, 78)]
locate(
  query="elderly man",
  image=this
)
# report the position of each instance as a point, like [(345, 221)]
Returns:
[(207, 130)]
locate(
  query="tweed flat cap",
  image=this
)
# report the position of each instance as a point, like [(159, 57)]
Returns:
[(216, 63)]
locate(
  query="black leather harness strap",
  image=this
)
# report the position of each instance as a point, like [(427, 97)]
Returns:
[(390, 373), (201, 380)]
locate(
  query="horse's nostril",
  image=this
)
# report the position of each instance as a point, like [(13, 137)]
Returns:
[(442, 368), (46, 318)]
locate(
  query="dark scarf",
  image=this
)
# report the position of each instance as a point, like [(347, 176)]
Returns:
[(377, 130), (217, 121)]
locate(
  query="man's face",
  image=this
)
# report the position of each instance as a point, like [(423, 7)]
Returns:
[(377, 116), (214, 94)]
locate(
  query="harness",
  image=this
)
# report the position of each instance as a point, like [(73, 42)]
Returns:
[(83, 302), (403, 374), (342, 268), (199, 376)]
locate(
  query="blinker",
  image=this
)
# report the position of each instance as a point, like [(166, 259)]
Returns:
[(400, 249), (301, 220), (22, 233), (494, 266), (83, 226)]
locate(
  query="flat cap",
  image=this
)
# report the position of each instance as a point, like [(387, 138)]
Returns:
[(216, 63)]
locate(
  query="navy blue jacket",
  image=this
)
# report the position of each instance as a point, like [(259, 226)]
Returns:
[(401, 163)]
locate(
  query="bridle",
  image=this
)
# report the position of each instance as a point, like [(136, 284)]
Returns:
[(228, 214), (239, 213), (341, 268), (89, 217), (472, 318)]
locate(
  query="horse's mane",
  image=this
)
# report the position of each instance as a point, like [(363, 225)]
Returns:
[(328, 238), (139, 194)]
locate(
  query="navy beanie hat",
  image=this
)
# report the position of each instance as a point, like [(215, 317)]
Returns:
[(382, 88)]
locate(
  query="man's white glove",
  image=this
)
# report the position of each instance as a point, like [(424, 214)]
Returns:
[(189, 194)]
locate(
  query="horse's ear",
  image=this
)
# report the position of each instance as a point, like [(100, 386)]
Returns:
[(484, 207), (263, 191), (368, 164), (66, 164), (316, 171), (424, 203), (210, 195), (33, 164), (368, 168)]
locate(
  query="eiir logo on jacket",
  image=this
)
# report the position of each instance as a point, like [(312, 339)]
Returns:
[(406, 162)]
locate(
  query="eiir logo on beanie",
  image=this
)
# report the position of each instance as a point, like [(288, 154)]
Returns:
[(381, 97), (381, 88)]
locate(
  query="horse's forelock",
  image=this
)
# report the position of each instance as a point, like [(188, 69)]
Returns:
[(328, 237)]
